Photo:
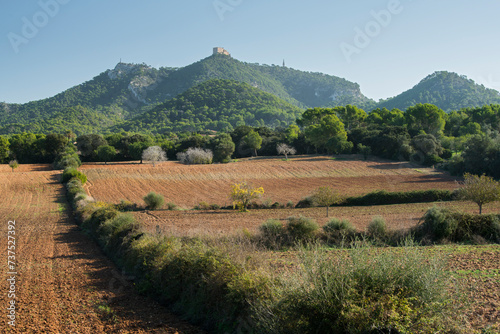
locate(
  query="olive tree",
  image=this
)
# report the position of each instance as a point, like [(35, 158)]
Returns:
[(479, 189), (325, 197), (154, 154), (13, 164)]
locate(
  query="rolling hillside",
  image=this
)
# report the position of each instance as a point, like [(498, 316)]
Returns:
[(449, 91), (215, 105)]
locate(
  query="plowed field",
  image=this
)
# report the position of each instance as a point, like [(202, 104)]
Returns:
[(64, 284), (283, 181), (194, 222)]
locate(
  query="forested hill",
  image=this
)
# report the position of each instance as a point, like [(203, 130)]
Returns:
[(447, 90), (303, 89), (215, 105), (130, 89), (90, 107)]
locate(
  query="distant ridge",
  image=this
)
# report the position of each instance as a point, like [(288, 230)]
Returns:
[(447, 90), (130, 90)]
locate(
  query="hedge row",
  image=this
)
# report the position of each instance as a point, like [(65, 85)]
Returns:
[(441, 224), (196, 279), (382, 197)]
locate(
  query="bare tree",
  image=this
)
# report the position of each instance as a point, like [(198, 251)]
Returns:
[(479, 189), (154, 154), (285, 150)]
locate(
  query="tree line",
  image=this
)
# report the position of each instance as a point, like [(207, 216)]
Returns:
[(462, 141)]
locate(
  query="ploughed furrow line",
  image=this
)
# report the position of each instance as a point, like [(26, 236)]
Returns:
[(62, 282)]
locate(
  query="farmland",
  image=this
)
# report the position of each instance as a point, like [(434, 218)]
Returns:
[(283, 181), (64, 284)]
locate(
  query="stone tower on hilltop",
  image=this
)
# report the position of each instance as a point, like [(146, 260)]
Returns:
[(221, 51)]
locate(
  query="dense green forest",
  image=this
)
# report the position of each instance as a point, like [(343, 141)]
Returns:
[(447, 90), (219, 105), (466, 140)]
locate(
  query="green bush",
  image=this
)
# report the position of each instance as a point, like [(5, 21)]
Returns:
[(70, 173), (154, 201), (115, 231), (469, 225), (307, 202), (172, 206), (339, 230), (377, 228), (361, 291), (439, 224), (99, 216), (443, 224), (126, 206), (272, 232), (301, 228)]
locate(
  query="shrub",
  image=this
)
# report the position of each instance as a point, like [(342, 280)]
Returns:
[(72, 161), (361, 291), (306, 202), (442, 224), (243, 193), (301, 228), (154, 201), (377, 228), (171, 206), (469, 226), (70, 173), (339, 230), (113, 232), (126, 206), (438, 224), (99, 216), (272, 229)]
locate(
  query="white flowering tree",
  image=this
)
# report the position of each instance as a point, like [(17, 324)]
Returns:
[(154, 154)]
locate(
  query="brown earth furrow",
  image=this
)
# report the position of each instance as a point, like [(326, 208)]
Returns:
[(64, 284)]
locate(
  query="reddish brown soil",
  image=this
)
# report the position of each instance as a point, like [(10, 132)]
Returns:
[(283, 181), (481, 266), (194, 222), (64, 283)]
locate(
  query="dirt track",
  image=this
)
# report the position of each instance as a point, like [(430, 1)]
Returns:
[(64, 284)]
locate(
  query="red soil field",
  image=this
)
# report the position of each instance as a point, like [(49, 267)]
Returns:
[(64, 284), (226, 222), (283, 181)]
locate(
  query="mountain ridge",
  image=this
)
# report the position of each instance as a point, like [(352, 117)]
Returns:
[(129, 90)]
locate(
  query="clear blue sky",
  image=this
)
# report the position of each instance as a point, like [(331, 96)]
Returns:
[(78, 39)]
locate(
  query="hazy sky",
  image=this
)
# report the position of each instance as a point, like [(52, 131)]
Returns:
[(387, 46)]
